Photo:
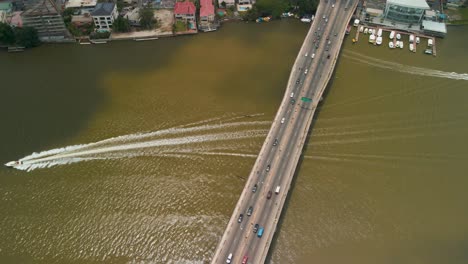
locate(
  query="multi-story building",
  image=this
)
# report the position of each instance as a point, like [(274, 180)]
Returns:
[(185, 11), (227, 3), (104, 15), (43, 15), (405, 11), (207, 15)]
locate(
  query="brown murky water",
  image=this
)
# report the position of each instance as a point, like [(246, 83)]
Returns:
[(161, 135)]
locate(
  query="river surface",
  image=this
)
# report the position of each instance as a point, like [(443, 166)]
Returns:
[(142, 150)]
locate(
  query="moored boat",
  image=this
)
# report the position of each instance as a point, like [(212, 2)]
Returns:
[(391, 45), (398, 36), (372, 38), (411, 47), (361, 28), (401, 44), (417, 40), (392, 34), (366, 30), (379, 32), (428, 51), (429, 42), (397, 44), (379, 40), (411, 38)]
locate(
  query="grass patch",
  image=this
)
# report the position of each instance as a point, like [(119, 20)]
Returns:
[(180, 26)]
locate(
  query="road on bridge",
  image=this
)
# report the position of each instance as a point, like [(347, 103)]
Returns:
[(251, 228)]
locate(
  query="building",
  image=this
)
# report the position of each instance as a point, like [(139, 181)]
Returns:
[(207, 15), (82, 20), (184, 11), (227, 2), (434, 28), (43, 15), (15, 19), (133, 16), (80, 4), (244, 5), (405, 11), (104, 15), (374, 12)]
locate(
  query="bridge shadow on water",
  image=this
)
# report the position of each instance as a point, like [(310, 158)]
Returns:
[(299, 165)]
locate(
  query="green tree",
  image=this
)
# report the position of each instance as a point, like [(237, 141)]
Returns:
[(307, 6), (121, 24), (147, 20), (223, 4), (7, 36), (27, 37)]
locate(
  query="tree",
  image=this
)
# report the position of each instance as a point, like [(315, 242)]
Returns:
[(147, 20), (121, 24), (7, 35), (223, 4), (27, 37)]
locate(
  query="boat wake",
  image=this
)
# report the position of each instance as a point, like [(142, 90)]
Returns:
[(361, 58), (201, 137)]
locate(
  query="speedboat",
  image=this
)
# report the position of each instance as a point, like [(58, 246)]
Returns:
[(397, 44), (390, 45), (392, 34), (398, 36), (379, 40), (429, 42), (411, 47), (13, 164), (411, 38), (417, 40), (361, 28), (428, 51), (401, 44), (379, 32), (372, 38), (366, 30)]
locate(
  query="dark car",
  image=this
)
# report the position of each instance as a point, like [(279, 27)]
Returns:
[(328, 56), (254, 189), (255, 229), (276, 140), (268, 167), (244, 260), (249, 212), (241, 216), (292, 102), (268, 197), (297, 81)]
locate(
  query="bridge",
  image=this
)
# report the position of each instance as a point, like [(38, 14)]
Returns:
[(250, 230)]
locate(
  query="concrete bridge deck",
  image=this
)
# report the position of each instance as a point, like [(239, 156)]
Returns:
[(280, 153)]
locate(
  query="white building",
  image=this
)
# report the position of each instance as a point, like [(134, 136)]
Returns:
[(405, 11), (104, 15), (80, 3)]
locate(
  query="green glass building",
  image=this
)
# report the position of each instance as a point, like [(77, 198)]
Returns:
[(405, 11)]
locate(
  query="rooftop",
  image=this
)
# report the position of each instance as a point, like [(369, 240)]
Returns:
[(207, 8), (80, 3), (434, 26), (103, 9), (184, 8), (421, 4)]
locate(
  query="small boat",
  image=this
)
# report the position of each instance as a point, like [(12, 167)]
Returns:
[(429, 42), (379, 33), (379, 40), (391, 45), (371, 38), (417, 40), (361, 29), (401, 44), (428, 51), (397, 44), (354, 40), (145, 39), (392, 34), (348, 29), (13, 164), (411, 38), (398, 36), (366, 30), (411, 47)]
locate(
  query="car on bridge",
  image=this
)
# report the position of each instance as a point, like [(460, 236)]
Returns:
[(249, 212), (255, 229), (276, 140), (244, 260), (254, 189), (282, 120), (268, 168), (229, 258), (260, 232), (239, 220), (268, 196)]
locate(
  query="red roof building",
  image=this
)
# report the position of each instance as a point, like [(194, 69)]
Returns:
[(184, 10), (206, 9)]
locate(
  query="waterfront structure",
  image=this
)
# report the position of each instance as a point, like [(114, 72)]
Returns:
[(104, 15), (81, 4), (43, 15), (244, 5), (227, 2), (405, 11), (434, 28), (207, 15), (185, 11)]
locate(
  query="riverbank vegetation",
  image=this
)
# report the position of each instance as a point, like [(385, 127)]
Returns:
[(24, 37), (275, 8)]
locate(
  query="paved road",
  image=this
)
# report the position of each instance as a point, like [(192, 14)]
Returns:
[(283, 146)]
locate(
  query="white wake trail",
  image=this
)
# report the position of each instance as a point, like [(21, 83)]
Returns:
[(404, 68)]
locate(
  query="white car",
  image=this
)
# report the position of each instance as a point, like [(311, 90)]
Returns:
[(313, 55), (306, 54), (306, 71), (333, 5), (282, 120)]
